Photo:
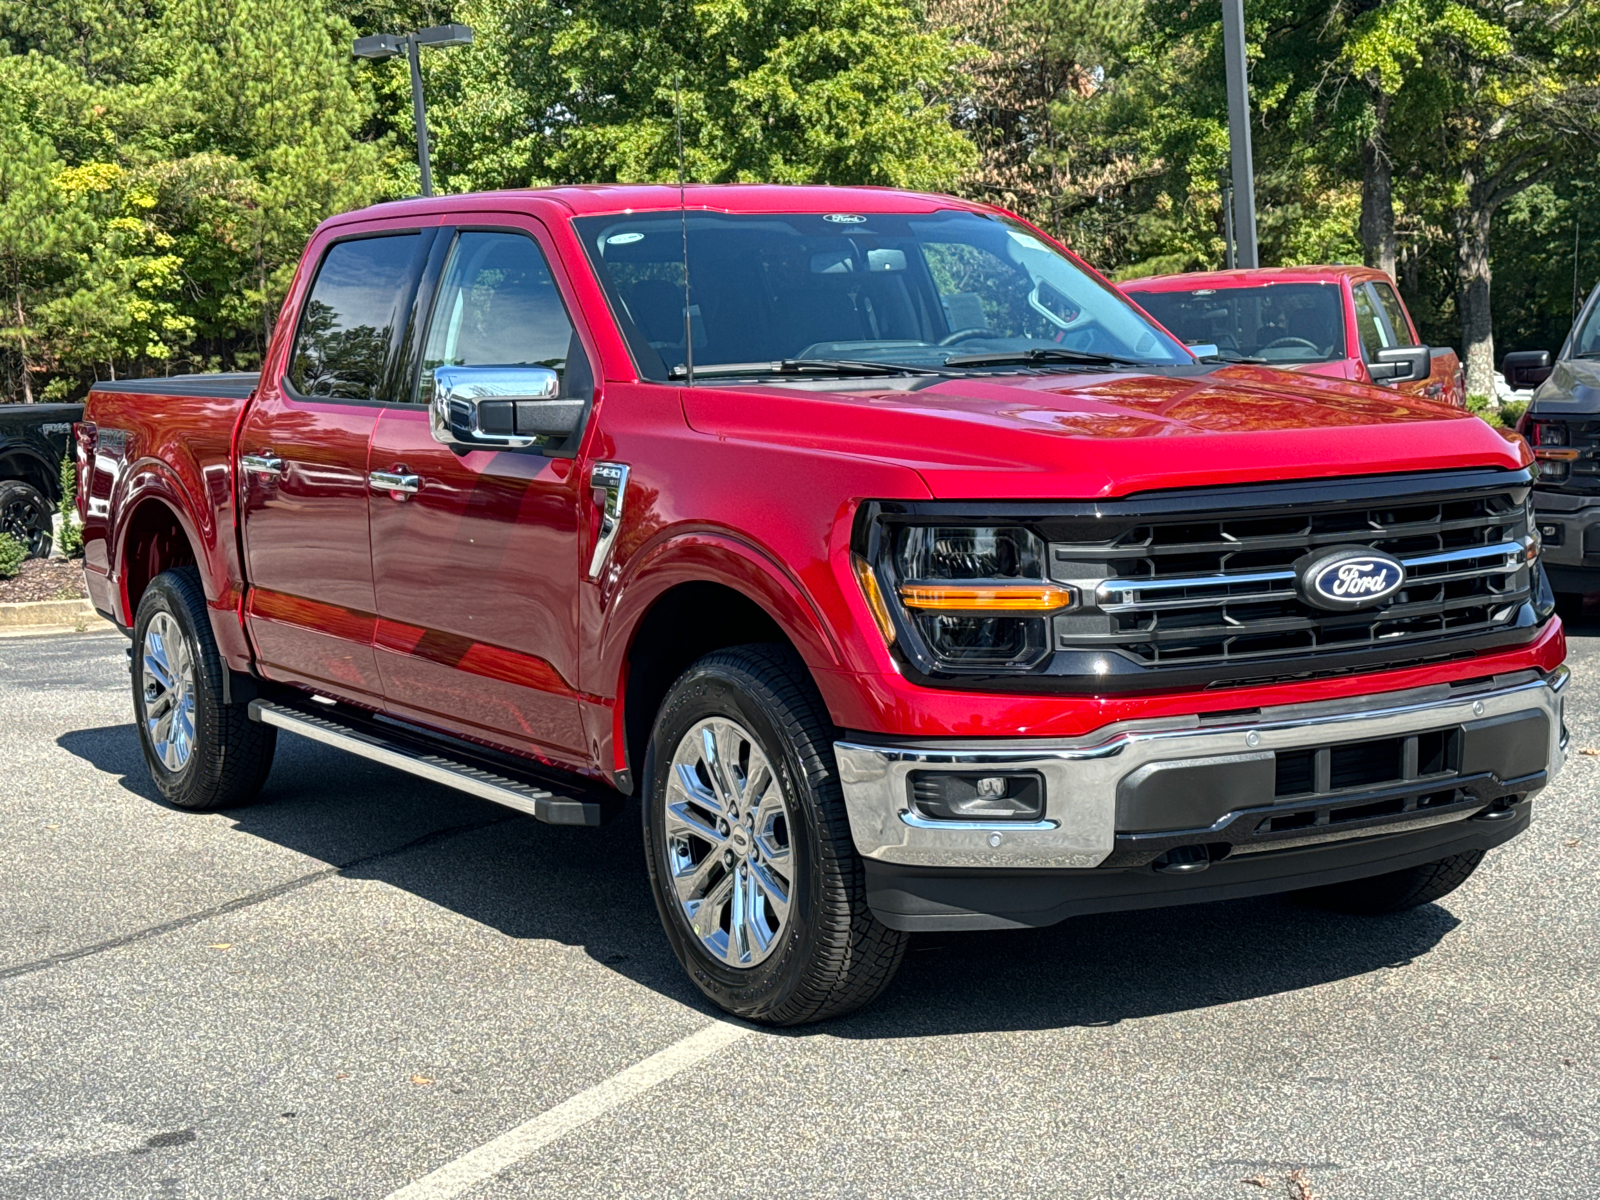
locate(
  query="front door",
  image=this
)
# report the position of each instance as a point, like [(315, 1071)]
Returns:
[(475, 559), (303, 470)]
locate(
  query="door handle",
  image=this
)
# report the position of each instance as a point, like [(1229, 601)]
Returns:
[(395, 481), (266, 462)]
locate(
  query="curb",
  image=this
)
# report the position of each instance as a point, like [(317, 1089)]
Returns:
[(49, 614)]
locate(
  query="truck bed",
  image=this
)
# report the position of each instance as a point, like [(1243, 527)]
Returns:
[(226, 385)]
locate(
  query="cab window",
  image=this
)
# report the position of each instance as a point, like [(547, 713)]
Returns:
[(1399, 328), (498, 306), (359, 298), (1370, 326)]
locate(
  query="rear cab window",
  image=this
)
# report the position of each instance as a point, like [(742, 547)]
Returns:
[(354, 317)]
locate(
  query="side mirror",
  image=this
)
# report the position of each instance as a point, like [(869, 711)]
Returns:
[(1401, 364), (506, 408), (1204, 349), (1526, 368)]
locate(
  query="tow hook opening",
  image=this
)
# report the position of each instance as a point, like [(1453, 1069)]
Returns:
[(1191, 860), (1501, 809)]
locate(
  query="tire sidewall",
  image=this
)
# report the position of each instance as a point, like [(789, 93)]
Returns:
[(716, 690), (177, 787), (41, 540)]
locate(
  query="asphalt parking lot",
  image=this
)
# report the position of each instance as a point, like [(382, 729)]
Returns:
[(364, 978)]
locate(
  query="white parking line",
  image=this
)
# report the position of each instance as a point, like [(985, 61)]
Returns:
[(512, 1146)]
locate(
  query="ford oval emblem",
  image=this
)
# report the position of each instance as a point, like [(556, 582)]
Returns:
[(1351, 577)]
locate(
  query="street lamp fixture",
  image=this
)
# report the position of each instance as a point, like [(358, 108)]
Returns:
[(388, 45)]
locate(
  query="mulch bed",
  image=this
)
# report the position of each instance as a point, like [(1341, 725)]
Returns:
[(45, 579)]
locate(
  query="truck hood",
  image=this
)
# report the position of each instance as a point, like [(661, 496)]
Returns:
[(1090, 436), (1573, 387)]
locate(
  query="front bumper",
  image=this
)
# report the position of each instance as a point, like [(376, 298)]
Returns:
[(1569, 526), (1106, 794)]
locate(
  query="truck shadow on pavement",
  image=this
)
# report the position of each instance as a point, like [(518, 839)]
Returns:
[(587, 888)]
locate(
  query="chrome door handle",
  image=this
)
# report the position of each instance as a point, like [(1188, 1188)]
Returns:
[(265, 461), (609, 482), (395, 481)]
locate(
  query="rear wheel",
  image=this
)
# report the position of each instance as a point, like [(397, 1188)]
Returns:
[(25, 514), (748, 844), (1398, 890), (202, 753)]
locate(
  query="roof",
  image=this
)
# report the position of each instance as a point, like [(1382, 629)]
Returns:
[(592, 199), (1260, 276)]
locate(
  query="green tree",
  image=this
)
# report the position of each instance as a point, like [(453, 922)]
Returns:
[(840, 91)]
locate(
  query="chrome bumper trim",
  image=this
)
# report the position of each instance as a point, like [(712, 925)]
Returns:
[(1081, 774)]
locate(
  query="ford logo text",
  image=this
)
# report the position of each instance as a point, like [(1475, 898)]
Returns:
[(1349, 578)]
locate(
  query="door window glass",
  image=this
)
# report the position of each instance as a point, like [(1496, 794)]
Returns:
[(498, 307), (1374, 334), (361, 293), (1396, 315)]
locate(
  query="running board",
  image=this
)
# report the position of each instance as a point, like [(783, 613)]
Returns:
[(410, 755)]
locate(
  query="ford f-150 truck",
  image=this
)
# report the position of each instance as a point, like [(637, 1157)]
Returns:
[(1562, 421), (907, 575), (1340, 321)]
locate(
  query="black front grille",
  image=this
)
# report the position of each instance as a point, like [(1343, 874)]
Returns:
[(1219, 589)]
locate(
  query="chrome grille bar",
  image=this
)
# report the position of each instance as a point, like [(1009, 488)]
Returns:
[(1510, 555)]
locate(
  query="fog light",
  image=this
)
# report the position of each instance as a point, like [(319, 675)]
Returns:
[(949, 796)]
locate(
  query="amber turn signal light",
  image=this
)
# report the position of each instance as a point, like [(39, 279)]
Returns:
[(873, 596), (1006, 598)]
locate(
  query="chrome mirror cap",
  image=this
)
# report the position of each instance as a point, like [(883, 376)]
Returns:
[(508, 408)]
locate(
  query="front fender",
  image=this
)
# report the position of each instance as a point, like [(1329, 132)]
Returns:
[(721, 557)]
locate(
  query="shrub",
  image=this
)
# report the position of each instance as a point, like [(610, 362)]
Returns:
[(12, 555), (71, 531), (1485, 407)]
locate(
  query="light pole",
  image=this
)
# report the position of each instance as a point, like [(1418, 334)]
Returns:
[(387, 45), (1244, 187)]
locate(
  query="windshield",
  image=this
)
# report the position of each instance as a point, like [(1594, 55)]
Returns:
[(856, 290), (1586, 338), (1277, 323)]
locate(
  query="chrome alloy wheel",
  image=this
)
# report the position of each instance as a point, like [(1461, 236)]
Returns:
[(168, 685), (728, 842)]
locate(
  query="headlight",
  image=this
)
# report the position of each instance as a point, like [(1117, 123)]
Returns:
[(968, 598)]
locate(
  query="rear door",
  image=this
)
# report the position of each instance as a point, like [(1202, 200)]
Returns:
[(303, 466), (476, 566)]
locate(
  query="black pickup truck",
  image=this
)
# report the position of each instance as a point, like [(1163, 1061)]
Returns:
[(33, 440), (1562, 422)]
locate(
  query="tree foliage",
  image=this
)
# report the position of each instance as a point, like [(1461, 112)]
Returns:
[(162, 161)]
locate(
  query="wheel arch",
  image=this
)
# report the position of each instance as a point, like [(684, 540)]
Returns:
[(31, 467), (155, 537), (692, 595)]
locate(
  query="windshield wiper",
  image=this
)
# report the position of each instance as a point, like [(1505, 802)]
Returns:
[(1042, 355), (1228, 356), (802, 366)]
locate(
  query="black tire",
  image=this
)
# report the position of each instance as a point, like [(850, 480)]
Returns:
[(832, 955), (1398, 890), (25, 514), (229, 754)]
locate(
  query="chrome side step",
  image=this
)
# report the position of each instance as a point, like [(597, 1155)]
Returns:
[(403, 754)]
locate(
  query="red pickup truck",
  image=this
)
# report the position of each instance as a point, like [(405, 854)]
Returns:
[(1342, 322), (907, 575)]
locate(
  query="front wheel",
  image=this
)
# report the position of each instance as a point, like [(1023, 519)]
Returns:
[(202, 753), (749, 851), (1398, 890)]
